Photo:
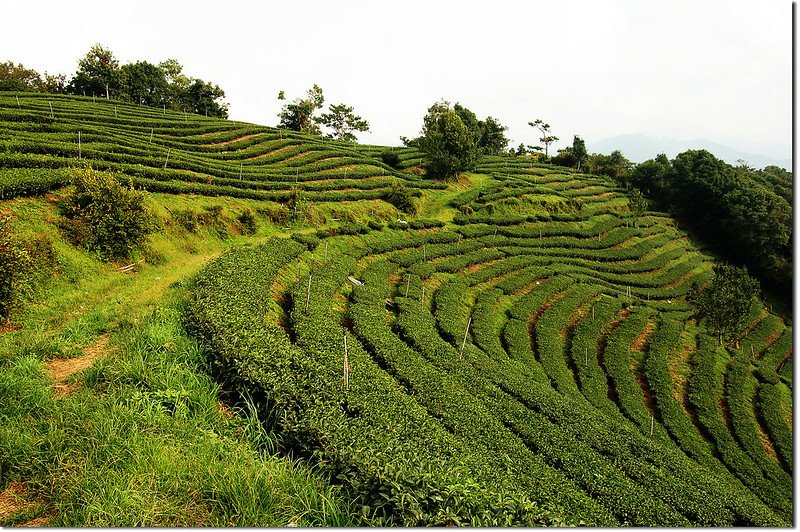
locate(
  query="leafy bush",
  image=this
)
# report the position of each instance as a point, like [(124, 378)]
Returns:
[(20, 262), (401, 197), (391, 158), (106, 216), (248, 220)]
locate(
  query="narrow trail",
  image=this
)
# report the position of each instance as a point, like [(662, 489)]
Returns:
[(61, 369)]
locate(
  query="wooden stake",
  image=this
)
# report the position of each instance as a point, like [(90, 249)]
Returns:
[(151, 135), (308, 291), (424, 252), (17, 97), (652, 422), (79, 145), (115, 111), (167, 159), (346, 368), (51, 109), (464, 341), (326, 252), (298, 270), (408, 284)]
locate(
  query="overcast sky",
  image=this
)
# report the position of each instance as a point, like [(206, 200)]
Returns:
[(716, 69)]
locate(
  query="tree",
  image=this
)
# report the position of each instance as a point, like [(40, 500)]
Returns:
[(637, 203), (18, 78), (546, 139), (98, 73), (299, 114), (343, 122), (725, 302), (204, 98), (143, 83), (400, 196), (492, 139), (616, 166), (106, 216), (447, 143), (579, 151)]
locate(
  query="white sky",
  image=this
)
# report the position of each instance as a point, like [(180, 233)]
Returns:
[(717, 69)]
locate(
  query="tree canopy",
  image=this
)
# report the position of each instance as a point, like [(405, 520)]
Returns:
[(725, 302), (343, 122), (298, 115), (448, 144)]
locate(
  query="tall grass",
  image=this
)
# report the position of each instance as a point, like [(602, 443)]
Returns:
[(145, 442)]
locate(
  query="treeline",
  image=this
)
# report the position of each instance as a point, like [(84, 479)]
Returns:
[(99, 74), (743, 213)]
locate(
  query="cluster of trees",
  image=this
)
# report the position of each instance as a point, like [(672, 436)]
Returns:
[(340, 119), (100, 74), (745, 214), (454, 139)]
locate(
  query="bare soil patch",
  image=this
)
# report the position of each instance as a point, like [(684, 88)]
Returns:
[(638, 344), (61, 369)]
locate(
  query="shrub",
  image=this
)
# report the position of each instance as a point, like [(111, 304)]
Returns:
[(248, 220), (20, 263), (106, 216), (391, 158), (400, 196)]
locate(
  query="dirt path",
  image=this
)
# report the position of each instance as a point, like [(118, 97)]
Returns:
[(61, 369)]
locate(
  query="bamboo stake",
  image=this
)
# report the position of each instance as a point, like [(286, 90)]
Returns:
[(151, 135), (18, 104), (308, 291), (51, 109), (167, 159), (652, 422), (79, 145), (326, 252), (464, 341), (346, 368), (408, 284)]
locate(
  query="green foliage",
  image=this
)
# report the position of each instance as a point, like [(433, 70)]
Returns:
[(22, 262), (401, 197), (637, 202), (391, 158), (342, 121), (726, 301), (15, 77), (299, 114), (579, 151), (546, 139), (247, 219), (98, 73), (447, 143), (616, 166), (143, 83), (106, 216)]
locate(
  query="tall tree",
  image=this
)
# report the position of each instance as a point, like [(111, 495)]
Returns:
[(579, 151), (343, 122), (725, 302), (546, 139), (299, 114), (492, 140), (98, 73), (447, 143), (143, 83), (15, 77), (203, 97)]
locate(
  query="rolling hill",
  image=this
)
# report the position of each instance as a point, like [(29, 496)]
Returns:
[(520, 352)]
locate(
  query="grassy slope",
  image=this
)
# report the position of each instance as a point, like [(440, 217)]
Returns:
[(144, 439)]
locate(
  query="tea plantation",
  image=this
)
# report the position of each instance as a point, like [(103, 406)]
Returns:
[(520, 352)]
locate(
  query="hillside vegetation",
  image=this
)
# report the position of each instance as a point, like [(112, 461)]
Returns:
[(519, 352)]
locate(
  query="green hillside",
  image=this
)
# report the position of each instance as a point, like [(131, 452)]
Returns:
[(519, 352)]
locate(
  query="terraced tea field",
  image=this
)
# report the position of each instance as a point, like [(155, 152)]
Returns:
[(521, 353)]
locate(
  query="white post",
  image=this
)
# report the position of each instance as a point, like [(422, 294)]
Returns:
[(115, 111), (346, 369), (464, 342), (151, 135), (167, 159), (651, 426), (408, 284), (308, 291), (424, 252), (17, 97), (79, 145), (51, 109)]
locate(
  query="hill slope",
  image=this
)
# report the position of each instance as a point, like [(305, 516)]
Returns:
[(520, 353)]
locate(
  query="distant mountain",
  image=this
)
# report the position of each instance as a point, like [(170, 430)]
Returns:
[(638, 147)]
